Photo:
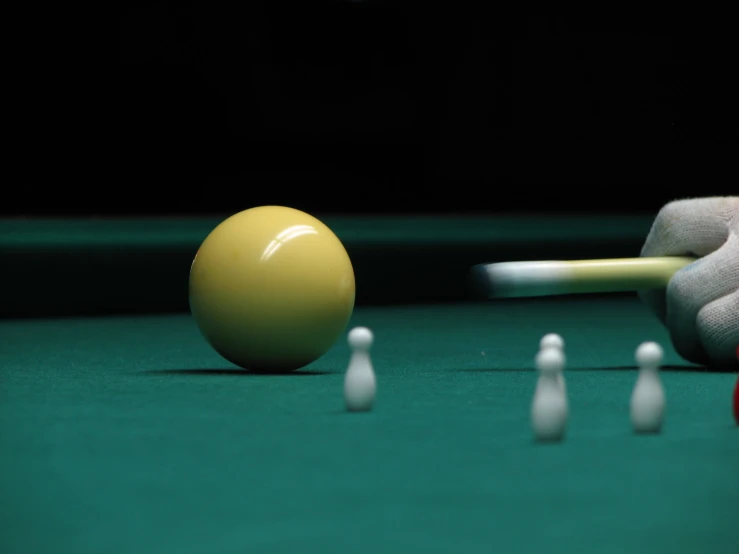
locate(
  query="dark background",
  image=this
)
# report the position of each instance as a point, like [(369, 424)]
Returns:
[(373, 106)]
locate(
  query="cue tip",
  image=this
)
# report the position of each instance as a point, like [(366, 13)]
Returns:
[(484, 283)]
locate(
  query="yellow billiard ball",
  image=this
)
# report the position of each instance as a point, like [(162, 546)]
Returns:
[(271, 289)]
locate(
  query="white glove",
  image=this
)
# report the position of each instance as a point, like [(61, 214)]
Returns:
[(700, 306)]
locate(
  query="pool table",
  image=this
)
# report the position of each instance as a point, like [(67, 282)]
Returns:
[(122, 431)]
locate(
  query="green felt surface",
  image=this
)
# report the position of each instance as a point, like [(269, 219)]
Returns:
[(101, 266), (130, 435)]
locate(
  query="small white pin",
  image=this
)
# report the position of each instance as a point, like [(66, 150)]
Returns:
[(360, 386), (648, 397), (553, 340), (549, 408)]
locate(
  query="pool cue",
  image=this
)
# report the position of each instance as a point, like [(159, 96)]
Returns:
[(549, 278)]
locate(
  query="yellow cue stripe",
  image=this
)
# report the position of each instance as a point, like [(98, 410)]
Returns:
[(545, 278)]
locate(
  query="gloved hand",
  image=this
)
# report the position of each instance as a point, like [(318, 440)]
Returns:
[(700, 306)]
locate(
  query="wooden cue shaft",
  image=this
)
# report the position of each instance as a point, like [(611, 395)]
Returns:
[(555, 277)]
